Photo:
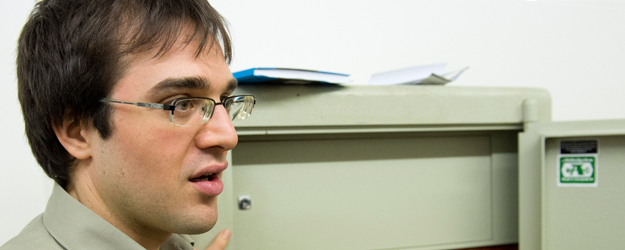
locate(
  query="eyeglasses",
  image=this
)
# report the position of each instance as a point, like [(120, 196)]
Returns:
[(197, 110)]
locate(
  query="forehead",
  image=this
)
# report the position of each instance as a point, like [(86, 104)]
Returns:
[(180, 67)]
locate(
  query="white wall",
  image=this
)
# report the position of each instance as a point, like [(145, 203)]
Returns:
[(571, 48), (24, 188)]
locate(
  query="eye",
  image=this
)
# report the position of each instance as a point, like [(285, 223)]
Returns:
[(184, 105)]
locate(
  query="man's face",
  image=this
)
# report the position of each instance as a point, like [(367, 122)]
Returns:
[(143, 172)]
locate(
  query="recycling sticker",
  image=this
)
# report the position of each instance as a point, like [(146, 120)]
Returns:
[(577, 163)]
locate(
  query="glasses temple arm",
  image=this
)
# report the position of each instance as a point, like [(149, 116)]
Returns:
[(143, 104)]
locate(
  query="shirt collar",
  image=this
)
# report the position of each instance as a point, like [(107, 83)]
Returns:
[(74, 226)]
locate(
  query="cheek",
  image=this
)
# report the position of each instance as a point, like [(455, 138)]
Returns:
[(150, 154)]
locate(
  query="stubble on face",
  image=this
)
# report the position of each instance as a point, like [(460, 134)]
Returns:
[(138, 179)]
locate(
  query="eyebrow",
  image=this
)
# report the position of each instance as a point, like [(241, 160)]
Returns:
[(192, 82)]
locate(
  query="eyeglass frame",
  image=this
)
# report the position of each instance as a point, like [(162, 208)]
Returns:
[(172, 108)]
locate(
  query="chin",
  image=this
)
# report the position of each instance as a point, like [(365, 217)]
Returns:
[(197, 225), (194, 219), (198, 230)]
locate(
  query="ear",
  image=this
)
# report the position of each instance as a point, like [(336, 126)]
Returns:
[(75, 137)]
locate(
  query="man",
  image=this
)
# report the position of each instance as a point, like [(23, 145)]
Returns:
[(128, 107)]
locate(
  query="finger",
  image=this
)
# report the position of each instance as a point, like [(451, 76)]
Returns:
[(221, 240)]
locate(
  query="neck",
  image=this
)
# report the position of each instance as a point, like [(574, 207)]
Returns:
[(82, 188)]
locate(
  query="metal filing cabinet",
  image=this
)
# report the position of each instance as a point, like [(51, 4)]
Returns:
[(364, 167), (572, 186)]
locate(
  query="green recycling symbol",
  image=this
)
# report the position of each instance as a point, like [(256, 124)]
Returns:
[(576, 169)]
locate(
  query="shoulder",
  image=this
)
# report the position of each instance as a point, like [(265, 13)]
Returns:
[(33, 236)]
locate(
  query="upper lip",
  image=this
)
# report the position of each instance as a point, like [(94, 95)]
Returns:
[(211, 169)]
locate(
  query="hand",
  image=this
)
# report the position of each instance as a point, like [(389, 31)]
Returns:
[(221, 240)]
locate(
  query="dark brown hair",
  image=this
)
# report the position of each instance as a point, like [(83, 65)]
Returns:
[(70, 56)]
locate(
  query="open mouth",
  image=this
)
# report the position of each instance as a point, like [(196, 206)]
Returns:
[(206, 177), (208, 183)]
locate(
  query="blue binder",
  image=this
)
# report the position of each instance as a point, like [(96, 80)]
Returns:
[(290, 76)]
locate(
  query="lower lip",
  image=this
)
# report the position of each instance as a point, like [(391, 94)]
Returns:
[(210, 188)]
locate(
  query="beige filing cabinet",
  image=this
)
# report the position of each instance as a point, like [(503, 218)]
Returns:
[(364, 167), (572, 186)]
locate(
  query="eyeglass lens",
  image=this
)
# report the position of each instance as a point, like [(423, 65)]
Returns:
[(191, 111), (240, 107), (197, 111)]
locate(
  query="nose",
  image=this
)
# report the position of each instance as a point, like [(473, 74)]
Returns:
[(218, 132)]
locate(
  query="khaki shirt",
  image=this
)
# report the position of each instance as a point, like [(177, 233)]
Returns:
[(67, 224)]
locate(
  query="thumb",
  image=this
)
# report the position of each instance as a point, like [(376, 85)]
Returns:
[(221, 240)]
